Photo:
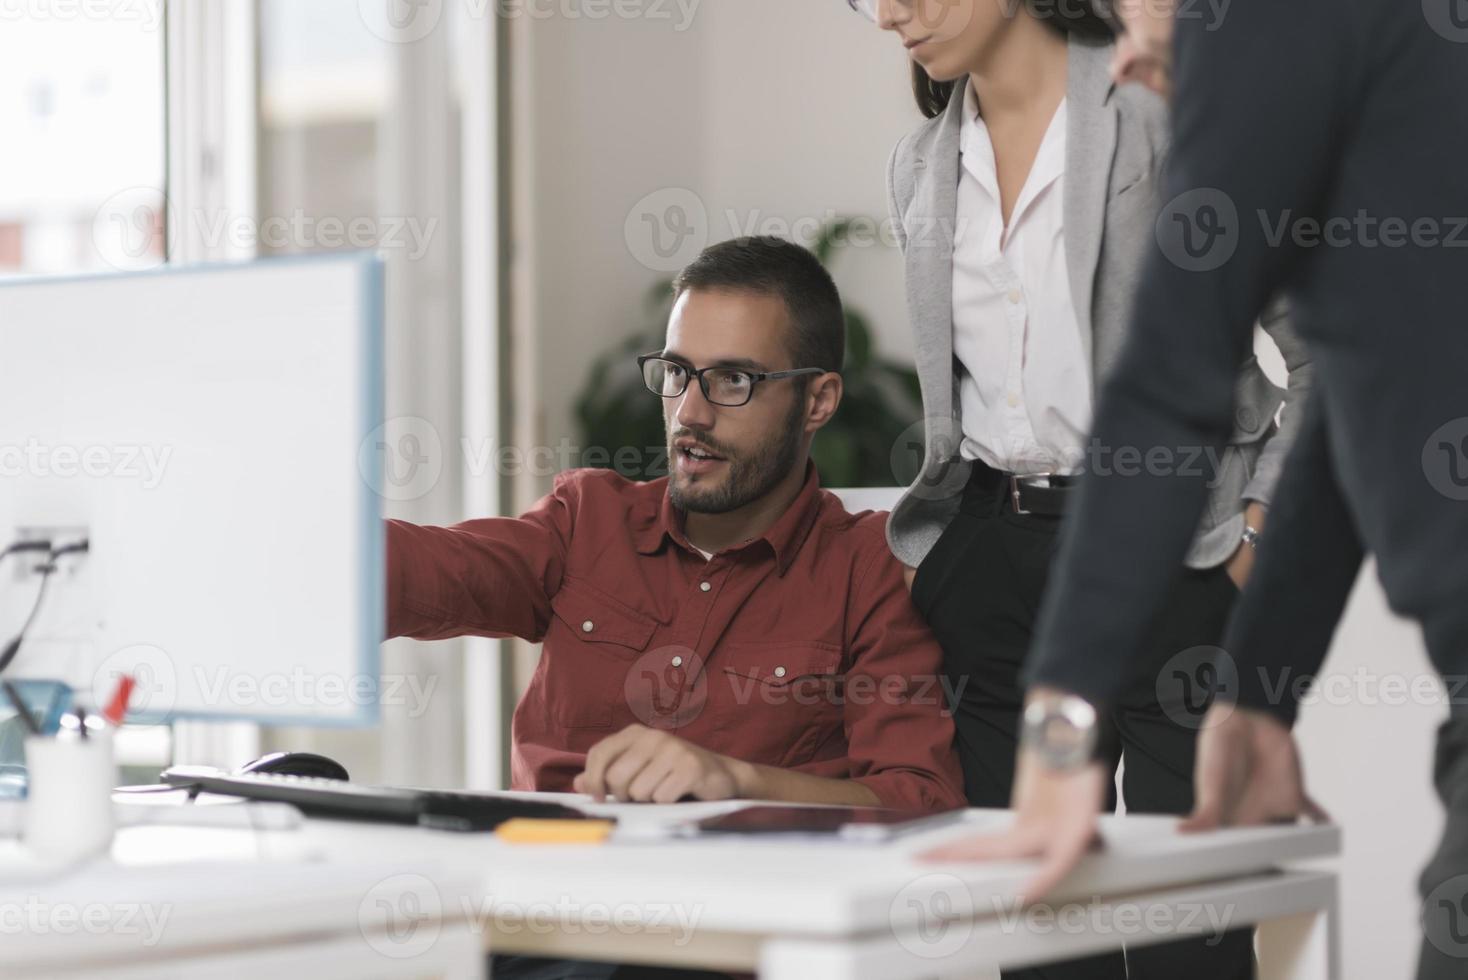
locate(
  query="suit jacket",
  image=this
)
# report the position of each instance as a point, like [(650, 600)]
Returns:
[(1336, 133), (1116, 142)]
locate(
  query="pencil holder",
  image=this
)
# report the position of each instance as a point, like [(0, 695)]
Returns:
[(68, 812)]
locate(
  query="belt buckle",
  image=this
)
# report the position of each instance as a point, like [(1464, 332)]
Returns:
[(1014, 495), (1014, 488)]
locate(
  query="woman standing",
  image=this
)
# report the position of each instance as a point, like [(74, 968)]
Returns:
[(1024, 206)]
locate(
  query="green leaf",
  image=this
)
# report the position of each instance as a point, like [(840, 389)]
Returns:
[(858, 343), (831, 233)]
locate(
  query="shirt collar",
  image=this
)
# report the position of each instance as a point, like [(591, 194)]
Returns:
[(977, 152), (784, 537), (974, 146)]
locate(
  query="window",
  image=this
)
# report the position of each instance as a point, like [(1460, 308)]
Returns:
[(82, 107), (324, 88)]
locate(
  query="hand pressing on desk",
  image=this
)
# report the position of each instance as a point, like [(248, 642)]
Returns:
[(1248, 772), (1055, 821), (646, 765)]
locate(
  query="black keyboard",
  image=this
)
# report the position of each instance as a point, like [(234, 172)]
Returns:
[(335, 798)]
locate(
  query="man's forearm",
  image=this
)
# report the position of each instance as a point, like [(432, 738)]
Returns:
[(1172, 390), (757, 782), (1309, 561), (490, 577)]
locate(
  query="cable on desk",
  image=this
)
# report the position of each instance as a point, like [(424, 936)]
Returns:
[(24, 547), (78, 547)]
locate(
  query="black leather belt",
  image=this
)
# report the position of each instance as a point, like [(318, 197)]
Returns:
[(990, 492), (1028, 495)]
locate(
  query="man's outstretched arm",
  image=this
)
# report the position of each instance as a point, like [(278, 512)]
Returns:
[(489, 577)]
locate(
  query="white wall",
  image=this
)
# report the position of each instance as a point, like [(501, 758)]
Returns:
[(1368, 749), (1368, 752), (805, 104), (784, 111), (776, 112)]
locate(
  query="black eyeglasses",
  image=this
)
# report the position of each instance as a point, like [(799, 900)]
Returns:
[(867, 8), (729, 387)]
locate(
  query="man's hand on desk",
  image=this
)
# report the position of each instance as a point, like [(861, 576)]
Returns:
[(1248, 772), (1055, 820), (645, 765)]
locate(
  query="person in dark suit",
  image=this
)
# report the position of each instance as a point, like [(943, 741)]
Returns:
[(1024, 205), (1318, 147)]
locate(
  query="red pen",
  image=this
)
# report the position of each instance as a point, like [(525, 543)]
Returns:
[(117, 708)]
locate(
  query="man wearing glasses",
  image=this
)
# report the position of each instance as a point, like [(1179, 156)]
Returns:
[(726, 631)]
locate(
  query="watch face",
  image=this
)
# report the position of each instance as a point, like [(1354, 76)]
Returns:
[(1062, 732), (1060, 735)]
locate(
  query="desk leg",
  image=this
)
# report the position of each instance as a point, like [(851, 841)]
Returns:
[(461, 949), (1300, 947), (806, 959)]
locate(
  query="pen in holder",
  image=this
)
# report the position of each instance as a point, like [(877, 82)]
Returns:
[(68, 813)]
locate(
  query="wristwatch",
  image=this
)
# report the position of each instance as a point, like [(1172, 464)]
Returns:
[(1061, 730), (1251, 536)]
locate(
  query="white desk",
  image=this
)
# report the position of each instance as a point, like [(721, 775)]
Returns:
[(808, 910), (204, 904)]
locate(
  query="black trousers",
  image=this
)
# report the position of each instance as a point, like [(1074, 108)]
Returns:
[(1444, 882), (502, 967), (980, 590)]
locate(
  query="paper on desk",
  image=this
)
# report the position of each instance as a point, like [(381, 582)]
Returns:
[(655, 821)]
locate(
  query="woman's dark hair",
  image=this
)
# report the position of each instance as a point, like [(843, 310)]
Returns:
[(1078, 17)]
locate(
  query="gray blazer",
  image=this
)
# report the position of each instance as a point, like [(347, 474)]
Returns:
[(1116, 144)]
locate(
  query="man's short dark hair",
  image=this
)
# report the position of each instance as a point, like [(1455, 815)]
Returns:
[(775, 267)]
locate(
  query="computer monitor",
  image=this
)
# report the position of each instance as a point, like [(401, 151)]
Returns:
[(215, 432)]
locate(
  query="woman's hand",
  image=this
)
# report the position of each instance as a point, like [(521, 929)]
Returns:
[(1144, 49), (1241, 564)]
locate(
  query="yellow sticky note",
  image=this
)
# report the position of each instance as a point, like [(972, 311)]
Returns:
[(521, 830)]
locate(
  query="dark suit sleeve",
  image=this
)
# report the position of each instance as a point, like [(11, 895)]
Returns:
[(1309, 559), (1260, 116)]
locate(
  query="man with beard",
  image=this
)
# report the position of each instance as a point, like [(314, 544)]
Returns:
[(729, 630)]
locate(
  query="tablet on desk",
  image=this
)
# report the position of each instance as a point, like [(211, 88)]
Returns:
[(865, 824)]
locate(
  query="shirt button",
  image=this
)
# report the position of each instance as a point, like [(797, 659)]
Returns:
[(1013, 400), (1015, 296), (704, 586), (779, 671), (587, 626), (677, 661)]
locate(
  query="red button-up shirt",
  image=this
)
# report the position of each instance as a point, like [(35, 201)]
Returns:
[(799, 649)]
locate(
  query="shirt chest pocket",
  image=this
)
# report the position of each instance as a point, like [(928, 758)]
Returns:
[(593, 617), (785, 700), (592, 647)]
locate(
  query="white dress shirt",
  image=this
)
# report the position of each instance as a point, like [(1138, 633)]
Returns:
[(1025, 385)]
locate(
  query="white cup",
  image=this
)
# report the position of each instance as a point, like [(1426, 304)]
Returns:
[(68, 810)]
